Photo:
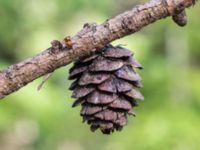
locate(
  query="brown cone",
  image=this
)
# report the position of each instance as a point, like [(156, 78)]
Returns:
[(106, 87)]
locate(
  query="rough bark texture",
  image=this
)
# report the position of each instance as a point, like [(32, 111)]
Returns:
[(92, 36)]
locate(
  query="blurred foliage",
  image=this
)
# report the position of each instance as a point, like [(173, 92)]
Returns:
[(167, 119)]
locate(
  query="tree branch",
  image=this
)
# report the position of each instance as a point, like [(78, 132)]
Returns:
[(91, 37)]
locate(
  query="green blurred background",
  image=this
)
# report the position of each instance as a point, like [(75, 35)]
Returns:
[(168, 119)]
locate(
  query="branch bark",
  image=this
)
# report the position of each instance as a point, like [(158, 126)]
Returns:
[(90, 38)]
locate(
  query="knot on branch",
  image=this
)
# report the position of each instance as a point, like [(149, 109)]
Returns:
[(180, 19), (56, 46), (87, 27), (179, 16), (130, 24)]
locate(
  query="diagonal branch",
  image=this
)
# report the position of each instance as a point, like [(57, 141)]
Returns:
[(91, 37)]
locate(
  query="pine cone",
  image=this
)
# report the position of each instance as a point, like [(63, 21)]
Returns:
[(106, 87)]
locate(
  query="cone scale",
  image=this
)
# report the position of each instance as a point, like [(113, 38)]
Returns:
[(106, 86)]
